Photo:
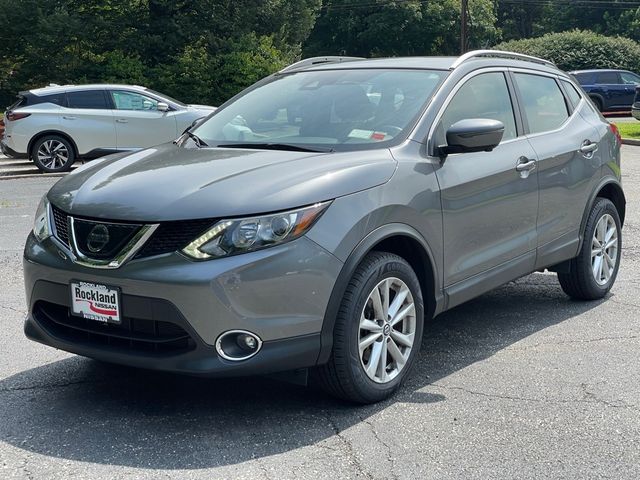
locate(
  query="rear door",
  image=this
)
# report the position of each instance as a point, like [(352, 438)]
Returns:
[(139, 123), (568, 161), (88, 120), (489, 203)]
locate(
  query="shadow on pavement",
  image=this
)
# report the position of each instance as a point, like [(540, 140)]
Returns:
[(82, 410)]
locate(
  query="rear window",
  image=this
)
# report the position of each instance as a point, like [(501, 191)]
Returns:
[(87, 99), (610, 78), (583, 78), (55, 98), (544, 105)]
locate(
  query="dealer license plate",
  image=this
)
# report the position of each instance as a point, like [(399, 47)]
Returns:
[(95, 302)]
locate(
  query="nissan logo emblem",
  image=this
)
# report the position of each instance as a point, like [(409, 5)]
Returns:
[(98, 238)]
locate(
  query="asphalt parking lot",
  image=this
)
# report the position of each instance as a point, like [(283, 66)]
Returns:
[(520, 383)]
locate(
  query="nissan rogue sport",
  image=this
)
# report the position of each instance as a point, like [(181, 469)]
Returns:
[(321, 217)]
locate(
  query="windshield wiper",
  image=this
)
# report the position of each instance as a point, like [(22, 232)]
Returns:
[(196, 139), (275, 146)]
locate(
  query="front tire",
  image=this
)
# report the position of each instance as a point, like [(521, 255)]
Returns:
[(378, 331), (593, 272), (53, 153)]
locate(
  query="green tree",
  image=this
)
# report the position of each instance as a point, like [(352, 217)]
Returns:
[(520, 19), (198, 50), (414, 27)]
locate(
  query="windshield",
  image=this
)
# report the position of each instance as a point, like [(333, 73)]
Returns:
[(166, 97), (332, 109)]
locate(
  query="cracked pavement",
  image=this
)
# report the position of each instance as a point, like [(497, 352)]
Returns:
[(519, 383)]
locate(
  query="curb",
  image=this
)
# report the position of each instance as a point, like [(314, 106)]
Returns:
[(631, 141)]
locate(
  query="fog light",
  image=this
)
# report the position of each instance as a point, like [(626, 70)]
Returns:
[(236, 345), (247, 342)]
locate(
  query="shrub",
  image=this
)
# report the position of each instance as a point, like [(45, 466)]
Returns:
[(580, 49)]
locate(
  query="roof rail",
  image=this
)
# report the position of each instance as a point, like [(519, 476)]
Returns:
[(310, 62), (499, 54)]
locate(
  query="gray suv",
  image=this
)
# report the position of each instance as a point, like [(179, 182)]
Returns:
[(316, 221)]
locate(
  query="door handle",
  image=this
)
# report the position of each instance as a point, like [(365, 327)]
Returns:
[(67, 117), (525, 165), (588, 148), (122, 120)]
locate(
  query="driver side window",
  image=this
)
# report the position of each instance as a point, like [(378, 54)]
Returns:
[(629, 78), (133, 101), (484, 96)]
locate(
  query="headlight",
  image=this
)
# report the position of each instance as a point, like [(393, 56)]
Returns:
[(41, 227), (230, 237)]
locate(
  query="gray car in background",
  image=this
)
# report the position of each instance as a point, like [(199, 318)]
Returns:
[(320, 218)]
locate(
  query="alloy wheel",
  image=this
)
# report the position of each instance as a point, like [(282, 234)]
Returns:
[(53, 154), (387, 330), (604, 249)]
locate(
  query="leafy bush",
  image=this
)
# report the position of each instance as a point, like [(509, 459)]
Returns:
[(580, 49)]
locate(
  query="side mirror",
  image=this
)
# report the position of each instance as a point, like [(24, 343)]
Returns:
[(162, 107), (473, 135)]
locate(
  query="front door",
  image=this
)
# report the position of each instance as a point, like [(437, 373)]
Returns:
[(489, 201), (139, 123), (629, 81)]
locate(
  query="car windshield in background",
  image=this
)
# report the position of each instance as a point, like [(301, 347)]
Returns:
[(331, 109), (166, 97)]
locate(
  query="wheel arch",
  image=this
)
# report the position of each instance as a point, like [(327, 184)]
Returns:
[(46, 133), (596, 97), (610, 189), (402, 240)]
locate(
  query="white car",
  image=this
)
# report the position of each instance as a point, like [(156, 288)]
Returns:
[(56, 125)]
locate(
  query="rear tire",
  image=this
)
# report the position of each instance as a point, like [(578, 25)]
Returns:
[(598, 103), (593, 272), (53, 153), (375, 340)]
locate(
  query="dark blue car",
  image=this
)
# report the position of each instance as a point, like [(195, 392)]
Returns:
[(610, 90)]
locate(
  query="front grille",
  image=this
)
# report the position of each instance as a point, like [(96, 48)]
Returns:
[(136, 335), (60, 220), (169, 236), (102, 240), (173, 236)]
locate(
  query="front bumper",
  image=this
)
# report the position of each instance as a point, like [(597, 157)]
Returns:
[(280, 294)]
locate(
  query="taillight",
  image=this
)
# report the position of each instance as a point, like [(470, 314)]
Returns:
[(13, 116), (614, 129)]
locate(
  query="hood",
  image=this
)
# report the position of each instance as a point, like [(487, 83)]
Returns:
[(168, 182), (208, 108)]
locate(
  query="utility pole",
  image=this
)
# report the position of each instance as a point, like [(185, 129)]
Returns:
[(463, 26)]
